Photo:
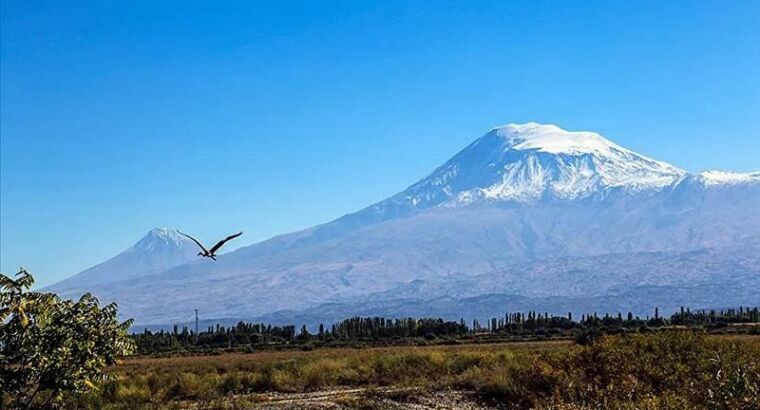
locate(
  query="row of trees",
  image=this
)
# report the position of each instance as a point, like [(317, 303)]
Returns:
[(378, 328), (531, 322), (241, 334), (713, 317)]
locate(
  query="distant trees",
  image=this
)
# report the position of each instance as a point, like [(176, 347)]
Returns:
[(50, 346), (530, 324), (378, 328), (263, 334), (716, 318), (242, 333)]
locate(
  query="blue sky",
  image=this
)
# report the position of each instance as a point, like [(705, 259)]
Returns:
[(116, 117)]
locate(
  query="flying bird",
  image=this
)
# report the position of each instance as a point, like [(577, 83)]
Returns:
[(211, 253)]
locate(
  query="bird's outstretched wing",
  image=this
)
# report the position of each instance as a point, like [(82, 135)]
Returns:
[(195, 240), (223, 241)]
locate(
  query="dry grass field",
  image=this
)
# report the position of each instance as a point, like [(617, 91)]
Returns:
[(668, 370)]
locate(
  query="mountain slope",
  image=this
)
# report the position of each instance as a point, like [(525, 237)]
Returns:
[(519, 195), (635, 282)]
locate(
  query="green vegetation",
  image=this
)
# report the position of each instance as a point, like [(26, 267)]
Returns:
[(378, 331), (51, 347), (53, 354), (661, 370)]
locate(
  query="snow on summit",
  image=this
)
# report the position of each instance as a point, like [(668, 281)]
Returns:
[(531, 162), (160, 238), (552, 139)]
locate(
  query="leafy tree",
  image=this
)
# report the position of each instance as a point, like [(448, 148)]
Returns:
[(50, 347)]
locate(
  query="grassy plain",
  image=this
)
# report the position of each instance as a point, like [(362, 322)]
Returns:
[(667, 370)]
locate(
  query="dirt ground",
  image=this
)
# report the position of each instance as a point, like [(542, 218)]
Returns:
[(385, 398)]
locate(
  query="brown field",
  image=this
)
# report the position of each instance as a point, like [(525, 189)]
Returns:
[(239, 359), (669, 370)]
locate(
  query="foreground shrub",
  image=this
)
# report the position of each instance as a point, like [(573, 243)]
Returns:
[(50, 347)]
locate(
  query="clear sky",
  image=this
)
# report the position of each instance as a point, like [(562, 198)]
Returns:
[(118, 116)]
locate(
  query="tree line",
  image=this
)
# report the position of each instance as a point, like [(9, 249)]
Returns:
[(368, 329)]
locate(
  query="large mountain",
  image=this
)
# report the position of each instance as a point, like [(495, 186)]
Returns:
[(527, 215)]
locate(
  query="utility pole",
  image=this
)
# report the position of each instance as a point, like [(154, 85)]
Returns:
[(196, 322)]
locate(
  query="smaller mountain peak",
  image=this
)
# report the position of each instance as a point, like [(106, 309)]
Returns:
[(158, 250)]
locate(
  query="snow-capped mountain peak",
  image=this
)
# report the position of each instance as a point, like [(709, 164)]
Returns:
[(531, 162)]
